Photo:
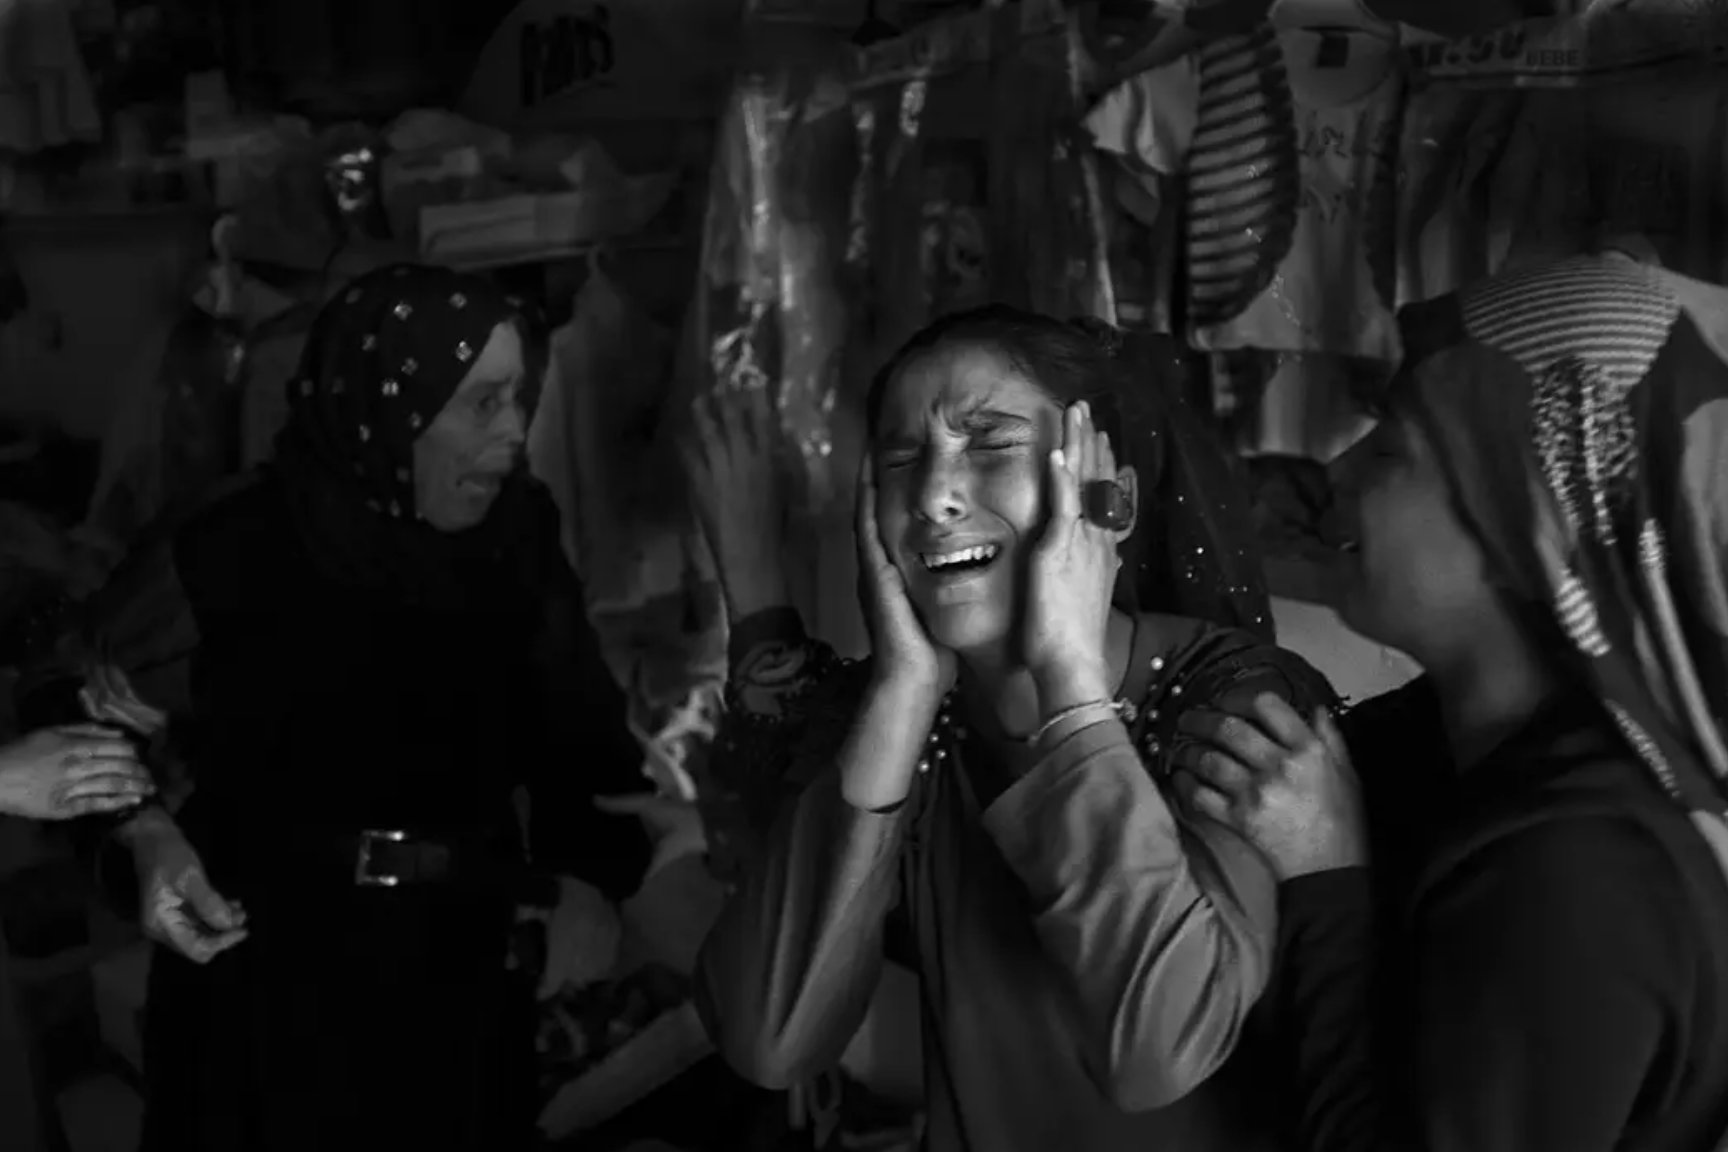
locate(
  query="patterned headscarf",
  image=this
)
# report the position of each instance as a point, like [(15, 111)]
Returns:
[(382, 360), (1585, 429)]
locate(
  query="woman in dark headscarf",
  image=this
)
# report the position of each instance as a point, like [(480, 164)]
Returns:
[(986, 788), (1543, 524), (386, 643)]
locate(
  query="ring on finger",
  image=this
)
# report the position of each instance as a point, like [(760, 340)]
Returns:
[(1107, 505)]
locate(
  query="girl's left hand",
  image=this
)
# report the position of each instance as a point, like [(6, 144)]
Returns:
[(1286, 786), (1073, 572)]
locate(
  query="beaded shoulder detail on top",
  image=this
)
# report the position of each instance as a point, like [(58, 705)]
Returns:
[(1204, 671), (778, 675)]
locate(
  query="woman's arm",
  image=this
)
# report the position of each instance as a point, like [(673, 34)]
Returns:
[(122, 658), (1163, 931), (1329, 992), (1324, 1000), (787, 973), (1164, 928)]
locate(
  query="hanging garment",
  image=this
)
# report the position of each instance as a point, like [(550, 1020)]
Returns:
[(769, 311), (1453, 139), (1539, 202), (274, 350), (45, 94), (598, 444), (591, 433), (1333, 291), (1042, 195), (1312, 405), (1654, 152), (1242, 180), (1145, 125), (178, 438)]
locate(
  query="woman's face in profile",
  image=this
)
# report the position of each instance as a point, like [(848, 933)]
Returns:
[(1416, 578), (462, 459), (960, 446)]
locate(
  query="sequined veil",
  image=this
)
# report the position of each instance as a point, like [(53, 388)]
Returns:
[(1197, 554)]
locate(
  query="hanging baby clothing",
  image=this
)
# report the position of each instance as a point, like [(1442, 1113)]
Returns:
[(1333, 292), (1242, 179), (1216, 128), (1145, 125)]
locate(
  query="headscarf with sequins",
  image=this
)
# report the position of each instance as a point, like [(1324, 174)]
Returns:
[(1583, 421), (383, 358)]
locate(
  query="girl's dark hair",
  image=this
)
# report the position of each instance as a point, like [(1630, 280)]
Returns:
[(1071, 361)]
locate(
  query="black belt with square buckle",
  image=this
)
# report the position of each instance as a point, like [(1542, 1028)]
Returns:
[(388, 858)]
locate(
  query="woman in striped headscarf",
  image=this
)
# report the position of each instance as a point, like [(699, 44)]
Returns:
[(1542, 521)]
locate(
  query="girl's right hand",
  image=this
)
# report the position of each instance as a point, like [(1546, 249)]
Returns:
[(901, 649)]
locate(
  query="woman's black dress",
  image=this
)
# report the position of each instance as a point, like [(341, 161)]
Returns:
[(358, 1013)]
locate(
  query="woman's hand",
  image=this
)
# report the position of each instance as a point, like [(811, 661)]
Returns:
[(738, 490), (75, 770), (180, 909), (1073, 573), (901, 650), (1286, 786)]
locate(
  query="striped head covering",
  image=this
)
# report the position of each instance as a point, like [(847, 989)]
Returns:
[(1583, 421)]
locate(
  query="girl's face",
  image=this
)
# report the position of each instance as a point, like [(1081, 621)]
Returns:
[(1417, 579), (961, 448), (465, 454)]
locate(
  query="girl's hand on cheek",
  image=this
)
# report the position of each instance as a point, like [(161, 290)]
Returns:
[(1072, 576), (899, 644)]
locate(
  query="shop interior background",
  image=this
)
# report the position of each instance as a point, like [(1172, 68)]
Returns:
[(183, 182)]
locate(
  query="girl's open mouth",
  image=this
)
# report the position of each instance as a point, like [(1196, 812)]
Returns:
[(961, 561)]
